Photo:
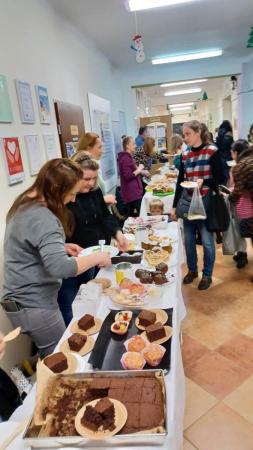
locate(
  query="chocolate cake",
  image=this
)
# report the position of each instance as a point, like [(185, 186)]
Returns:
[(76, 342), (146, 318), (146, 278), (155, 331), (159, 278), (86, 322), (101, 415), (162, 267), (141, 395), (56, 362), (140, 272)]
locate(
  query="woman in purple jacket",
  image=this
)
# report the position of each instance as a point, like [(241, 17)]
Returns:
[(130, 179)]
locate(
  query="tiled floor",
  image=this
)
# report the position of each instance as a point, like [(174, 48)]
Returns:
[(218, 359)]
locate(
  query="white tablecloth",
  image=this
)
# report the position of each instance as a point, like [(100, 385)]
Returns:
[(167, 200), (175, 384)]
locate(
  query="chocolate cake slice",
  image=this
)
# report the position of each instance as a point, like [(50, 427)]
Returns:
[(162, 267), (155, 331), (86, 322), (146, 318), (56, 362), (76, 342), (159, 278), (91, 418)]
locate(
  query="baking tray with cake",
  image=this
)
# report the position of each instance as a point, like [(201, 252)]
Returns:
[(62, 400), (110, 346)]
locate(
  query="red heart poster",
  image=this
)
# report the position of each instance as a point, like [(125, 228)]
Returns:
[(10, 147)]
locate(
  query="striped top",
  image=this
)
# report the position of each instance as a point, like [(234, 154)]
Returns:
[(197, 164), (244, 206)]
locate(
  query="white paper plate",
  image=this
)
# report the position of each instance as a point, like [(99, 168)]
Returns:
[(189, 184), (231, 163), (113, 251)]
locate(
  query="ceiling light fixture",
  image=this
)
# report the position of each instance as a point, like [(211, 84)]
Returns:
[(182, 108), (187, 57), (183, 91), (181, 83), (138, 5), (177, 105)]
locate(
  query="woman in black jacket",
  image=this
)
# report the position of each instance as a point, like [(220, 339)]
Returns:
[(93, 222), (224, 142)]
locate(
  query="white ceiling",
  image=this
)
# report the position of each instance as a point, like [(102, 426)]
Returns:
[(199, 25), (213, 86)]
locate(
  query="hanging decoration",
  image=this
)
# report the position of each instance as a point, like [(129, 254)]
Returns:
[(137, 44), (250, 39), (205, 96)]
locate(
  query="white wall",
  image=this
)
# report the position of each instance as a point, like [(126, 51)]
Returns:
[(245, 98), (36, 46)]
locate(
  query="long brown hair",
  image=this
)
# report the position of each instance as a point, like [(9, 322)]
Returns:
[(176, 142), (86, 141), (148, 146), (54, 181), (201, 128)]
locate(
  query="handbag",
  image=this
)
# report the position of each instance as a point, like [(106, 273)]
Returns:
[(231, 239), (183, 205), (218, 217), (246, 228)]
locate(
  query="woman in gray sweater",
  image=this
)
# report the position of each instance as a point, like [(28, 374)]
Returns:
[(36, 258)]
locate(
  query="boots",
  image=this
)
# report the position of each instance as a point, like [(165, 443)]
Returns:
[(241, 259)]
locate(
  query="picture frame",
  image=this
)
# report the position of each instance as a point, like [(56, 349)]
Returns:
[(6, 115), (10, 149), (33, 152), (25, 101), (43, 104)]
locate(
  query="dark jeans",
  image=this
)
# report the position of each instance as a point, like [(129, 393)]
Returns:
[(207, 238), (68, 291), (134, 208)]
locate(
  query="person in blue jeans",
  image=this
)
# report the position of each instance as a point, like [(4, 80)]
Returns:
[(200, 162)]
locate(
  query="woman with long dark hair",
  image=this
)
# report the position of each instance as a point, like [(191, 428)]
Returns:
[(199, 162), (224, 142), (36, 256)]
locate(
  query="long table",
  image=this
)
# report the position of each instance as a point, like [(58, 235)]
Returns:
[(175, 382)]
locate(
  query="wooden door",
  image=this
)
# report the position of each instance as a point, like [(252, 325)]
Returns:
[(70, 124), (163, 119)]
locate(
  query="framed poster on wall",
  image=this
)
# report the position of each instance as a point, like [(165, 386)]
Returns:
[(34, 153), (43, 104), (25, 101), (50, 146), (13, 160), (101, 123), (5, 102)]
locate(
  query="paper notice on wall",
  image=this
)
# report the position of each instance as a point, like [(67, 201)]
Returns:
[(34, 153), (100, 112), (13, 159), (50, 146)]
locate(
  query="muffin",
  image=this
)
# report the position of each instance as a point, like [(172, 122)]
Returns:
[(162, 267), (146, 278), (159, 278), (132, 361), (153, 354), (140, 272), (135, 344)]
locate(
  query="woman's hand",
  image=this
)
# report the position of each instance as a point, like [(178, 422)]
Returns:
[(73, 249), (110, 199), (121, 240), (2, 346), (173, 215), (145, 173), (104, 260), (200, 183)]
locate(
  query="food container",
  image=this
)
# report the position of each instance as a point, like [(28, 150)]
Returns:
[(123, 270), (32, 434)]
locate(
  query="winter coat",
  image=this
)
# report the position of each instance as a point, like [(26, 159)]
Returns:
[(131, 185)]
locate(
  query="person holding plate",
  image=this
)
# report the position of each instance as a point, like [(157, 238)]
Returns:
[(36, 258), (200, 164), (92, 222)]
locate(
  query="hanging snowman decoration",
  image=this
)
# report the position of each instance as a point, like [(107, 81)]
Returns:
[(138, 47)]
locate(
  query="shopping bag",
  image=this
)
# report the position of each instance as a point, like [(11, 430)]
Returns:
[(231, 239), (218, 218), (196, 209)]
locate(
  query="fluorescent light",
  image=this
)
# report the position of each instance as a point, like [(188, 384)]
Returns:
[(183, 91), (181, 83), (177, 105), (138, 5), (187, 57), (182, 108)]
